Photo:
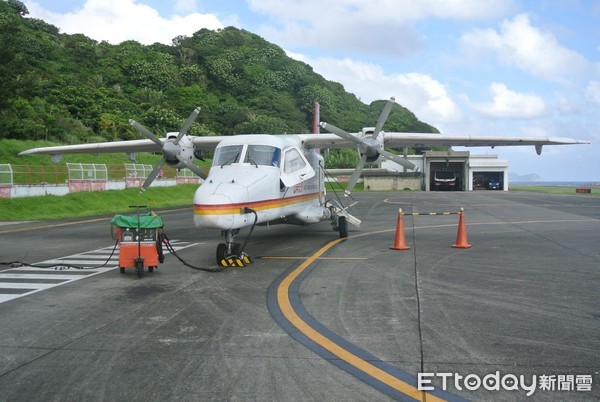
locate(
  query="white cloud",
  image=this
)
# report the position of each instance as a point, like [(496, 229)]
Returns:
[(371, 26), (335, 11), (528, 48), (185, 6), (119, 20), (427, 98), (592, 92), (510, 104)]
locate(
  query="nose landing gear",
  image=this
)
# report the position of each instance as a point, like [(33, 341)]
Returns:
[(230, 253)]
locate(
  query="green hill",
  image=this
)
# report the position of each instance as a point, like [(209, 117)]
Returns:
[(72, 89)]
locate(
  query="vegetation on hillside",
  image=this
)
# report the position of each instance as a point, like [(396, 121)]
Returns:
[(73, 89)]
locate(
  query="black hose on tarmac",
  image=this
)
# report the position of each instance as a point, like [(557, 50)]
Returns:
[(58, 266), (167, 243)]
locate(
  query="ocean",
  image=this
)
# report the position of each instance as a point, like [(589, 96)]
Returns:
[(558, 183)]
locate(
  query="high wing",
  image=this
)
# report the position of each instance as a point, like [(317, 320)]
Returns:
[(205, 143), (179, 149), (371, 142), (401, 140)]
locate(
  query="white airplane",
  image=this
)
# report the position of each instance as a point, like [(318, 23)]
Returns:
[(261, 179)]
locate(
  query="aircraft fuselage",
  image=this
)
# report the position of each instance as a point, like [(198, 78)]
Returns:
[(272, 175)]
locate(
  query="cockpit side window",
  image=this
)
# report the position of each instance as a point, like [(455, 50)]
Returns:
[(293, 161), (227, 155), (263, 155), (295, 167)]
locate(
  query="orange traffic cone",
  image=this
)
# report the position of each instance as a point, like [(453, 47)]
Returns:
[(461, 235), (400, 241)]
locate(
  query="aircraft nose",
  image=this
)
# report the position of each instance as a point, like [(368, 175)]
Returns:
[(221, 206), (215, 210)]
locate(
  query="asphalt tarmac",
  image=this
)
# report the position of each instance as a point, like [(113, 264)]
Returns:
[(315, 318)]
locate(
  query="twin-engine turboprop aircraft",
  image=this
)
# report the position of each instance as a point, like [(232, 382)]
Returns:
[(260, 179)]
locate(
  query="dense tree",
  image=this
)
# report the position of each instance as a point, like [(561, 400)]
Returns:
[(71, 88)]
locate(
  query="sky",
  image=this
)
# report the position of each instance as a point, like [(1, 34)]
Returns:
[(478, 67)]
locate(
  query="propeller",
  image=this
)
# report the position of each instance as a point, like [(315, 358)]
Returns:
[(171, 149), (369, 147)]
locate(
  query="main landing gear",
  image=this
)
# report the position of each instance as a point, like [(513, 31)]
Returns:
[(341, 227), (340, 218)]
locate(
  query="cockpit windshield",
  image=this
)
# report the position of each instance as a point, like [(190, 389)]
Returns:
[(227, 155), (263, 155)]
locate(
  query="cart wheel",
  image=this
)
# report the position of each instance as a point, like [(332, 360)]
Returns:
[(139, 270), (150, 269), (122, 270)]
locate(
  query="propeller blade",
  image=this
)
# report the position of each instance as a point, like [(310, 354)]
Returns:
[(188, 123), (398, 159), (340, 133), (383, 116), (144, 131), (192, 167), (355, 175), (152, 175)]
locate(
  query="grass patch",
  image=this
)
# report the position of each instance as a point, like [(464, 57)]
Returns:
[(95, 203), (564, 190)]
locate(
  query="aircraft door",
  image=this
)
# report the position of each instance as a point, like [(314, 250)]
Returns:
[(295, 168)]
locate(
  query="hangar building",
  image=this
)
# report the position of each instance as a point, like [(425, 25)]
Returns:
[(442, 171)]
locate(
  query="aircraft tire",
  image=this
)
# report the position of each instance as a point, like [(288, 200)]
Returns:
[(221, 250), (343, 227)]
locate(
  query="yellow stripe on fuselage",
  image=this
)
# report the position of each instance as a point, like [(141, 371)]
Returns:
[(227, 209)]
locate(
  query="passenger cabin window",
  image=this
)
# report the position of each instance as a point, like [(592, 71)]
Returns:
[(293, 161), (263, 155), (227, 155)]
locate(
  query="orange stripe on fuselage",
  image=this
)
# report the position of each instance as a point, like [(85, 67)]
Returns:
[(226, 209)]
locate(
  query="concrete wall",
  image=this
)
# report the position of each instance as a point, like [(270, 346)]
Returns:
[(392, 181), (18, 191), (10, 190)]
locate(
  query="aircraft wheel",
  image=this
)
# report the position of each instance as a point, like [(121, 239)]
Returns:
[(343, 227), (221, 250)]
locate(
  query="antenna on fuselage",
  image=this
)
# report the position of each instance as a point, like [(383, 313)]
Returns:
[(316, 119)]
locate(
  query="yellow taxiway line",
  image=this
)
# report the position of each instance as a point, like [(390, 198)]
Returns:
[(285, 305), (272, 257)]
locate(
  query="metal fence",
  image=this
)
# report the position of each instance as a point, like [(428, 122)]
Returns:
[(61, 174), (6, 175), (87, 171), (139, 171)]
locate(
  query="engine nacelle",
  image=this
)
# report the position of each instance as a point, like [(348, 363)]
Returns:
[(184, 149), (371, 146)]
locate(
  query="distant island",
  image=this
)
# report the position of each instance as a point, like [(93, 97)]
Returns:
[(532, 177)]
